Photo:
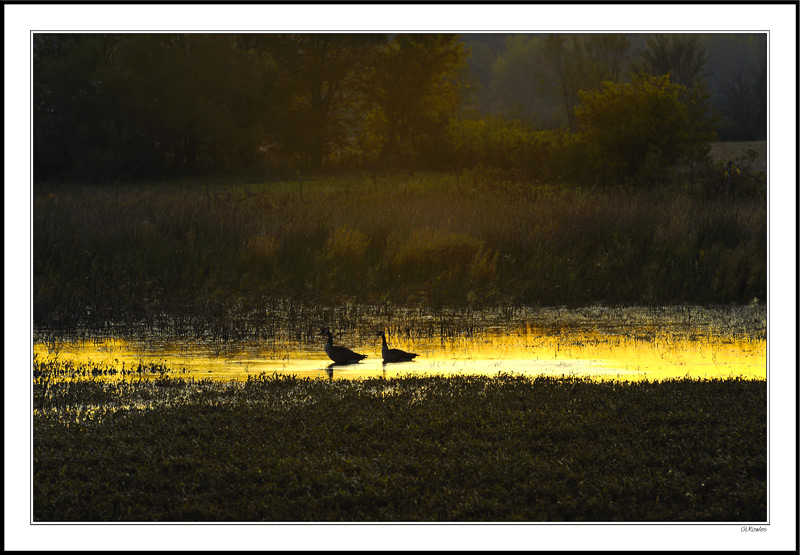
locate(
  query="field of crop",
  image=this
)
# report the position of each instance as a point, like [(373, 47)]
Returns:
[(126, 254), (459, 449)]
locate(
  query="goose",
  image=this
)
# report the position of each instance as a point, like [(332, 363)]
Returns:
[(394, 355), (337, 353)]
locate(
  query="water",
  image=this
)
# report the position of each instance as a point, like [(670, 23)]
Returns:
[(597, 343)]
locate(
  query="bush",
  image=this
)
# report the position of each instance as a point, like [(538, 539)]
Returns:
[(508, 145), (639, 129)]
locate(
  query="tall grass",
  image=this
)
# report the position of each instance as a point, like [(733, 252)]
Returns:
[(141, 252)]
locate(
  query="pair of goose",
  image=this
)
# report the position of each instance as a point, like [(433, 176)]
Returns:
[(343, 355)]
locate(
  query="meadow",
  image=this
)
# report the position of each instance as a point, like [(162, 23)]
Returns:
[(411, 449), (213, 252)]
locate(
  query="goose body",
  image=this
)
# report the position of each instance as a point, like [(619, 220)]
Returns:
[(394, 355), (339, 354)]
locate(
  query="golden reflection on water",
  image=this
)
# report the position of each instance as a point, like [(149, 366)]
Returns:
[(524, 351)]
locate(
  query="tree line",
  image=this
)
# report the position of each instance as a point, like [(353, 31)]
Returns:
[(532, 76), (111, 107)]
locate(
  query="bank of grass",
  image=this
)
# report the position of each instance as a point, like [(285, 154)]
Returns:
[(134, 253), (411, 449)]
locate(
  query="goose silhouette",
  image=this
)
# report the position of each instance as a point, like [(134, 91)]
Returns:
[(337, 353), (394, 355)]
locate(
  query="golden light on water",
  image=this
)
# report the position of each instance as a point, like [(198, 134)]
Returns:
[(524, 351)]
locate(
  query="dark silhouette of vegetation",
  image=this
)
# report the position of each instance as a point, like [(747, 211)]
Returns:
[(415, 95), (121, 107), (324, 79), (679, 56), (744, 107), (642, 128), (126, 107), (102, 254), (583, 62), (410, 449), (322, 140)]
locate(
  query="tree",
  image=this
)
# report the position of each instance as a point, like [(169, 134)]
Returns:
[(643, 126), (325, 76), (414, 95), (565, 62), (521, 85), (606, 57), (196, 100), (137, 106), (67, 98), (680, 56), (584, 62), (744, 106)]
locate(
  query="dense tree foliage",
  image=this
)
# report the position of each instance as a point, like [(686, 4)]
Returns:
[(139, 106), (324, 78), (120, 107), (646, 125), (405, 127)]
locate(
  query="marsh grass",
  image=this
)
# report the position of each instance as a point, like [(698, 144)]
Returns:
[(411, 449), (131, 254)]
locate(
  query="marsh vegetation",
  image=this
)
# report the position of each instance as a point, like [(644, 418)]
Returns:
[(121, 256), (147, 442), (466, 448)]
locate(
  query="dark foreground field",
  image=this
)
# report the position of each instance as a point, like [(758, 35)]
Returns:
[(463, 448)]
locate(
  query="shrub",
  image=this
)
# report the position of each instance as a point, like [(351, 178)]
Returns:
[(640, 128)]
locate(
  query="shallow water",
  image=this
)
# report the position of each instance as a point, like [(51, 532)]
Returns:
[(623, 344)]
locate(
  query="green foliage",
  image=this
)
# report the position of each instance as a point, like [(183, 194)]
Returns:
[(536, 78), (125, 107), (581, 63), (639, 129), (412, 449), (415, 94), (520, 151)]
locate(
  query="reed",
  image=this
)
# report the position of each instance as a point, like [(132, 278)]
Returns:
[(182, 251)]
